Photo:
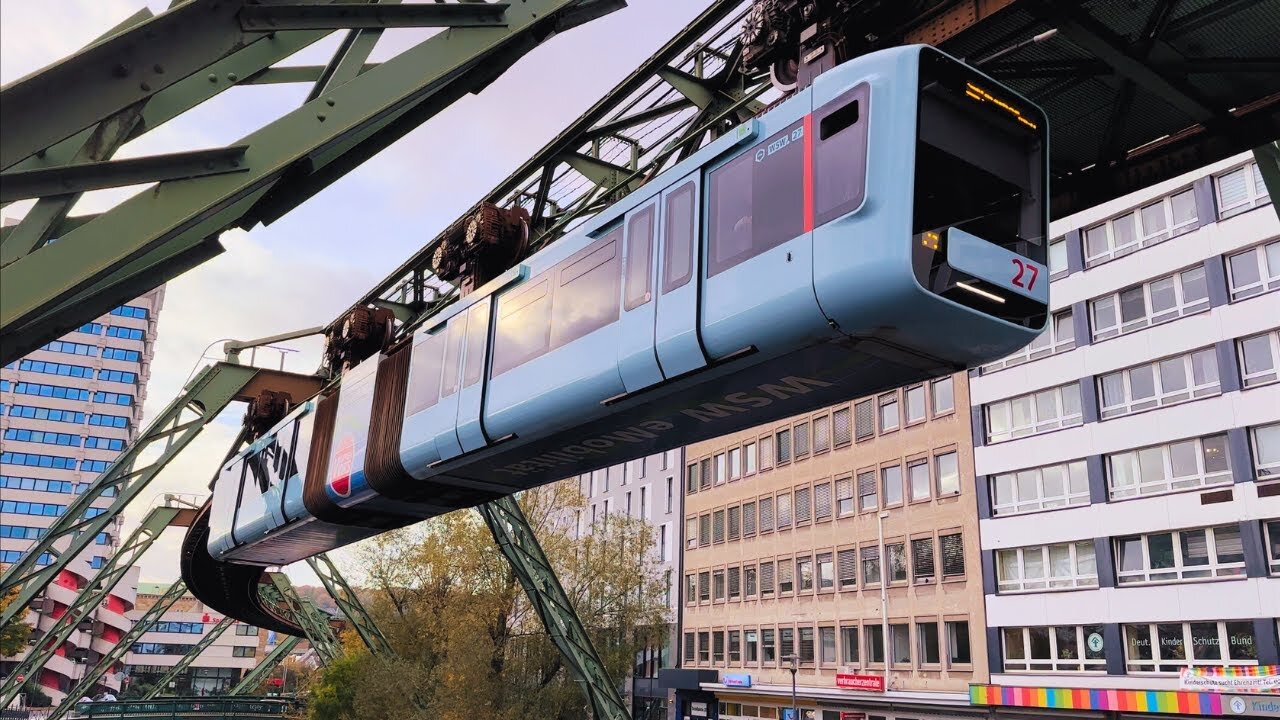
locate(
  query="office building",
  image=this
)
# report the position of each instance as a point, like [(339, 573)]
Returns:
[(1129, 459), (66, 411), (846, 539)]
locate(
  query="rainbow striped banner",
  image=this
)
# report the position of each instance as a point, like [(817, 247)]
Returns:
[(1260, 679), (1172, 702)]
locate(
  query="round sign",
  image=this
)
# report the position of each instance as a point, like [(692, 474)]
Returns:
[(1237, 705), (1095, 642)]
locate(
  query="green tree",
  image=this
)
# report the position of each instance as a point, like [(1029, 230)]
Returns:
[(468, 643), (13, 637)]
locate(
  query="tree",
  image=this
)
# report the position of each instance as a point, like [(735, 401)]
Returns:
[(13, 637), (468, 643)]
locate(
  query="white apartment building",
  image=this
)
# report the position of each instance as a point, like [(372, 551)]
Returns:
[(1128, 461)]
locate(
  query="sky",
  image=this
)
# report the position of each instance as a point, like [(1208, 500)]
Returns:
[(304, 269)]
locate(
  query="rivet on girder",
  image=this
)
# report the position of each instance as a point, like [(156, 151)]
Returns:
[(320, 117), (213, 78), (330, 102), (158, 68), (146, 87), (120, 70), (233, 77)]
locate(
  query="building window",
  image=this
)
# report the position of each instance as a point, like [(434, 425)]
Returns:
[(826, 572), (1266, 451), (782, 441), (766, 578), (735, 647), (748, 519), (704, 646), (1057, 257), (915, 404), (717, 584), (704, 586), (822, 502), (704, 530), (841, 427), (891, 481), (1258, 358), (1047, 567), (847, 567), (753, 645), (717, 525), (927, 643), (691, 533), (690, 589), (867, 490), (875, 643), (766, 514), (1272, 532), (844, 497), (704, 475), (900, 641), (849, 644), (1146, 226), (244, 651), (1170, 647), (1052, 649), (822, 434), (749, 579), (806, 645), (918, 479), (735, 583), (735, 463), (801, 433), (768, 650), (750, 452), (1165, 382), (735, 522), (786, 578), (766, 452), (1240, 189), (690, 648), (870, 566), (1254, 271), (1197, 554), (1034, 413), (948, 473), (943, 392), (889, 412), (922, 566), (1161, 300), (804, 506), (804, 573), (958, 643), (897, 562), (721, 469), (1163, 468), (717, 647), (1040, 488), (783, 505), (1059, 336), (691, 480), (786, 641), (864, 420), (952, 548)]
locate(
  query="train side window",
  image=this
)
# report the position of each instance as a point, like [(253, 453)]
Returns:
[(678, 239), (757, 200), (639, 259), (524, 326), (452, 355), (587, 297), (840, 155), (424, 376), (477, 334)]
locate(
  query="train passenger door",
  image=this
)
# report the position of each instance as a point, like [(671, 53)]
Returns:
[(637, 357), (676, 324), (471, 435), (448, 443)]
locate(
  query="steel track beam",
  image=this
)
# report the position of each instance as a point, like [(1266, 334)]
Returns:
[(348, 60), (143, 625), (93, 594), (171, 431), (313, 620), (518, 544), (326, 16), (214, 633), (349, 122), (350, 605), (264, 667), (96, 175)]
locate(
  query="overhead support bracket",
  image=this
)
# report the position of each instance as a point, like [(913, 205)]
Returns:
[(294, 74), (337, 16), (313, 621), (254, 677), (82, 177), (604, 174), (350, 604)]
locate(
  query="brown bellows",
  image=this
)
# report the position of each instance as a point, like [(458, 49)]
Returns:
[(382, 468), (314, 496)]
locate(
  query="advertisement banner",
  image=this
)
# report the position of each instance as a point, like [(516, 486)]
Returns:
[(736, 680), (1260, 679), (866, 683)]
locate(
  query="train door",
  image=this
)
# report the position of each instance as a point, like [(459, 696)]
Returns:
[(447, 442), (637, 356), (676, 323), (470, 425)]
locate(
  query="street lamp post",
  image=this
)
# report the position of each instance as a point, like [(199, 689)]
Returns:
[(793, 661)]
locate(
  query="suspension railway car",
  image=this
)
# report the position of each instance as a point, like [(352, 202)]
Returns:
[(886, 225)]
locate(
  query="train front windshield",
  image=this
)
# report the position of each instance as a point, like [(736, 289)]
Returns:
[(980, 181)]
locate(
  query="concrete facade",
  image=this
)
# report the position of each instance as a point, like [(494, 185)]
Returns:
[(66, 412), (791, 531)]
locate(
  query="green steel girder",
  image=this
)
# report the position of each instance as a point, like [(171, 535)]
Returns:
[(143, 625), (171, 431), (348, 60), (209, 638), (93, 594), (326, 16), (349, 604), (293, 157), (518, 544), (264, 667), (1268, 157), (95, 175), (314, 621)]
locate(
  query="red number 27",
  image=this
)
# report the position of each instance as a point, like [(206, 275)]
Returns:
[(1023, 269)]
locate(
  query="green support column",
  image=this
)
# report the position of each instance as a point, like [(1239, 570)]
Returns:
[(88, 599), (349, 604), (1268, 157), (208, 639), (144, 624), (516, 540), (171, 431), (264, 667), (314, 621)]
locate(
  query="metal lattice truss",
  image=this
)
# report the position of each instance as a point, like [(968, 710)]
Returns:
[(117, 653), (279, 592), (350, 604), (93, 595), (209, 638), (264, 667), (63, 125)]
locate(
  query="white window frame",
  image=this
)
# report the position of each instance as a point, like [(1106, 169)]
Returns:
[(933, 396), (1265, 376), (1053, 662), (1268, 271), (1021, 505), (885, 401), (1255, 190), (1161, 398), (1168, 482), (1142, 237), (1180, 571), (1271, 537), (1268, 471), (1181, 308), (924, 404), (1050, 342), (1063, 270), (1047, 582), (1149, 667), (1037, 425)]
